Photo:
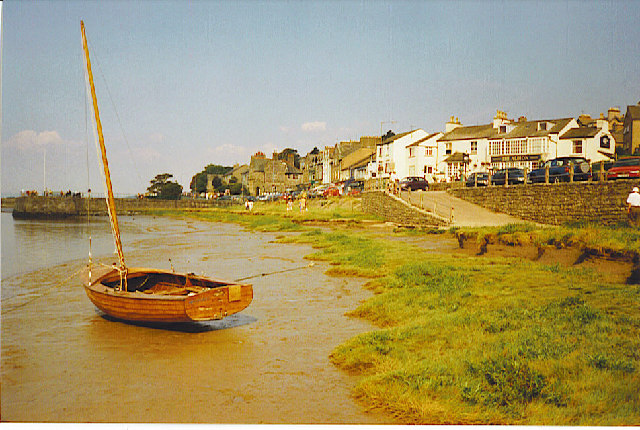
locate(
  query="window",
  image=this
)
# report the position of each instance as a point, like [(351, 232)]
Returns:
[(503, 129), (428, 169), (412, 151), (448, 149), (577, 146), (474, 147), (380, 152), (428, 152)]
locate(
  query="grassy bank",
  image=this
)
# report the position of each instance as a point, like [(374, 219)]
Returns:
[(604, 239), (274, 216), (471, 340)]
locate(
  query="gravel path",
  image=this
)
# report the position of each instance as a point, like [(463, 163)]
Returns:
[(465, 214)]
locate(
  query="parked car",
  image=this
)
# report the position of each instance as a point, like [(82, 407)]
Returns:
[(317, 191), (515, 176), (559, 170), (625, 168), (353, 187), (331, 192), (414, 183), (482, 181)]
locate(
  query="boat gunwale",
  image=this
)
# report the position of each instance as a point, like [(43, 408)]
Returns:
[(106, 273)]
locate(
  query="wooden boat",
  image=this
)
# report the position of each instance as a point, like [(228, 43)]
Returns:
[(163, 296), (150, 295)]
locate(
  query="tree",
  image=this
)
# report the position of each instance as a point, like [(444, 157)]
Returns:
[(389, 135), (284, 155), (162, 188), (199, 180), (237, 188)]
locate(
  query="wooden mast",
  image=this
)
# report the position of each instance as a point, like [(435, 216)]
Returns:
[(111, 206)]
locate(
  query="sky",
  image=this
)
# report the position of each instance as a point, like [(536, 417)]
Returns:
[(184, 84)]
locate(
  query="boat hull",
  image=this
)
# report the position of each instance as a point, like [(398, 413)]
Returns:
[(222, 299)]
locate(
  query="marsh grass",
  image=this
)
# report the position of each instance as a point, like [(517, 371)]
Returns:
[(466, 340), (496, 341), (618, 238)]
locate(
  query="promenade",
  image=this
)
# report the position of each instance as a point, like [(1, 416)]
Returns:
[(463, 213)]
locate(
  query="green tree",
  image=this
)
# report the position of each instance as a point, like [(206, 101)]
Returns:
[(237, 188), (199, 180), (284, 155), (162, 188)]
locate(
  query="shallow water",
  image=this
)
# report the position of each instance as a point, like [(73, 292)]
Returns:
[(64, 361)]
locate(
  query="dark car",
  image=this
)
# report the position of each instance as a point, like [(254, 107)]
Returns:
[(625, 168), (482, 179), (353, 187), (559, 169), (414, 183), (515, 176)]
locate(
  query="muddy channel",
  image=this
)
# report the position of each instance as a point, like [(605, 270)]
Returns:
[(64, 361)]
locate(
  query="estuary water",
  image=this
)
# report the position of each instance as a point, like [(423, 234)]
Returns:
[(64, 361)]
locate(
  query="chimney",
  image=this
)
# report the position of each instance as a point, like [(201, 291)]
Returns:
[(500, 119), (452, 124), (613, 113), (602, 123)]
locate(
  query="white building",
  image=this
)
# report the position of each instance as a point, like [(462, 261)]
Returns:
[(422, 157), (523, 144), (529, 143), (465, 149), (593, 143), (391, 154)]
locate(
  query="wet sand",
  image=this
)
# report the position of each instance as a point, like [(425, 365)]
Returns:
[(64, 361)]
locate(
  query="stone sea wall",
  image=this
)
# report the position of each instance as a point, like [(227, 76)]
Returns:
[(394, 209), (599, 202), (68, 206)]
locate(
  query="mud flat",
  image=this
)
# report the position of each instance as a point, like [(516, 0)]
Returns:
[(64, 361), (619, 266)]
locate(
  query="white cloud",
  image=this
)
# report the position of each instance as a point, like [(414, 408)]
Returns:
[(314, 126), (31, 140), (227, 154), (285, 129)]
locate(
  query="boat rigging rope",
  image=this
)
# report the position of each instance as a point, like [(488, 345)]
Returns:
[(47, 291), (59, 284), (274, 273)]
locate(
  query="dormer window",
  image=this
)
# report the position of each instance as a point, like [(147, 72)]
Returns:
[(542, 126), (503, 129)]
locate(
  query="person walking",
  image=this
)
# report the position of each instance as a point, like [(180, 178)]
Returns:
[(633, 208)]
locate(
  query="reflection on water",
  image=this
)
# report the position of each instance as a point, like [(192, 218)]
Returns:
[(235, 320), (34, 244)]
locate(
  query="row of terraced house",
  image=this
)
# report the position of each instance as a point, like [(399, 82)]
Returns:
[(451, 154)]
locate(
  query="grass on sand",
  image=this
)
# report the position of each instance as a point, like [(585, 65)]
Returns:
[(470, 340), (467, 340)]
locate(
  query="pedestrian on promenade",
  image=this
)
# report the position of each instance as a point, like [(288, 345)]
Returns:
[(633, 208), (303, 203)]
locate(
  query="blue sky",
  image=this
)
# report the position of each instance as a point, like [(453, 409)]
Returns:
[(184, 84)]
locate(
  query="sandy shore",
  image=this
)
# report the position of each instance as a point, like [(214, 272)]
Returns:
[(63, 361)]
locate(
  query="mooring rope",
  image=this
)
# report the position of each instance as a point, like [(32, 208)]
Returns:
[(275, 273), (47, 291)]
